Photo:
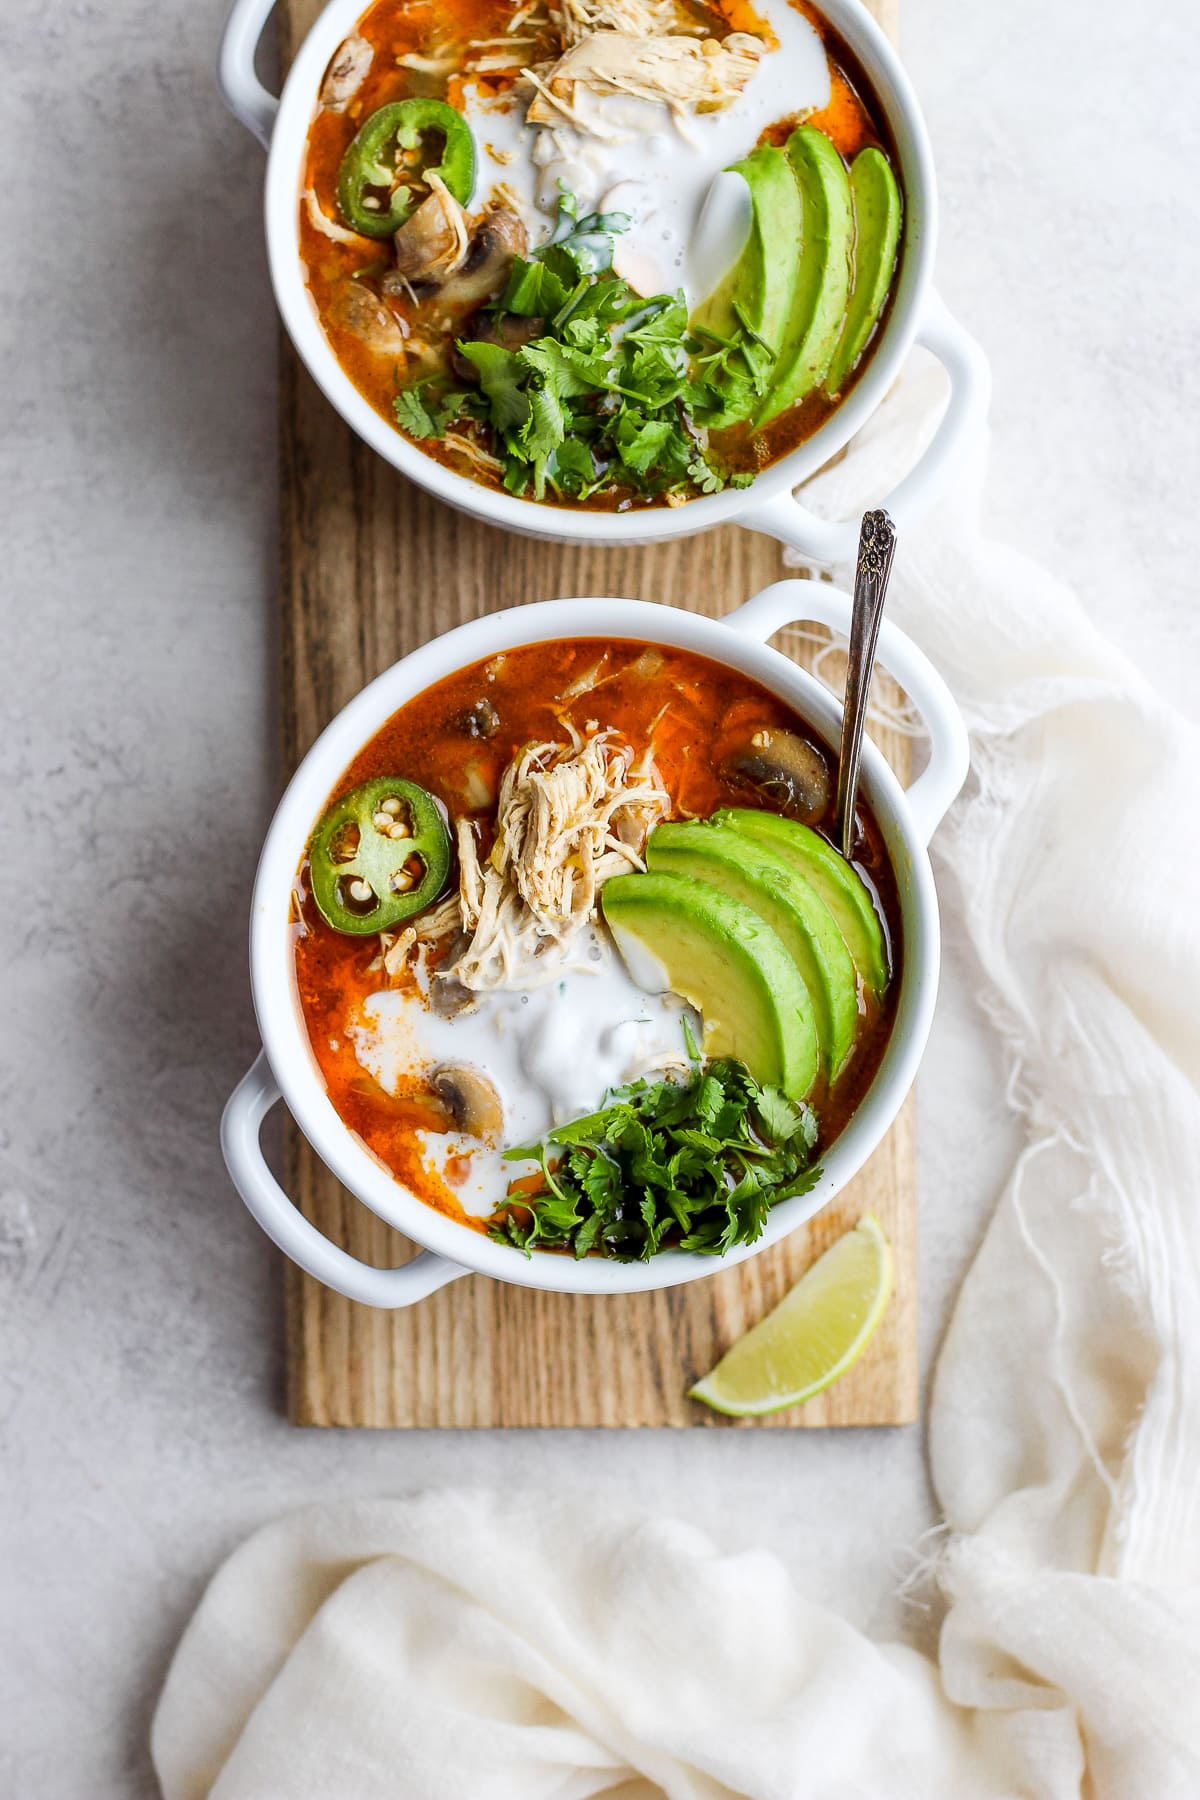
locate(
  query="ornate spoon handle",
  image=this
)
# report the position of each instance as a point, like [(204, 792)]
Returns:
[(876, 548)]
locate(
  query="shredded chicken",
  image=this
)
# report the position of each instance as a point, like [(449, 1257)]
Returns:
[(689, 74), (586, 680), (553, 109), (429, 65), (568, 817), (507, 197), (320, 221), (472, 452), (530, 14), (394, 947), (577, 19), (433, 241), (433, 927), (345, 74)]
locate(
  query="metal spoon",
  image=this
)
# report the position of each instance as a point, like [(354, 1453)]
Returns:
[(876, 548)]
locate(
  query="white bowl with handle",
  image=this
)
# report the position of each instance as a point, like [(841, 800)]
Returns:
[(917, 316), (287, 1069)]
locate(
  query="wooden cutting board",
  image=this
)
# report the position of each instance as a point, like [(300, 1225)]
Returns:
[(371, 568)]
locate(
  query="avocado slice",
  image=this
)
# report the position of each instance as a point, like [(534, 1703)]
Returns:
[(877, 218), (780, 894), (822, 285), (838, 883), (762, 282), (679, 933)]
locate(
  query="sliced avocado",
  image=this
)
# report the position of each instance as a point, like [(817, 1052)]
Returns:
[(877, 218), (682, 934), (761, 284), (773, 885), (822, 285), (838, 883)]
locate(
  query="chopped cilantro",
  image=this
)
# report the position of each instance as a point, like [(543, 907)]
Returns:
[(413, 416), (613, 393), (698, 1162), (424, 411)]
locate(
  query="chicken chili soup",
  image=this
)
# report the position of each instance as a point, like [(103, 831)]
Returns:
[(576, 956), (610, 253)]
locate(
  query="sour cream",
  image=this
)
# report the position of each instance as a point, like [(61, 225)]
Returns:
[(657, 173), (550, 1052)]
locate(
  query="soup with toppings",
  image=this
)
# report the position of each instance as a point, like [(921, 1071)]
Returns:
[(605, 253), (576, 956)]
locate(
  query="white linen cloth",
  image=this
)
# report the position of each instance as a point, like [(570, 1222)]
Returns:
[(455, 1648)]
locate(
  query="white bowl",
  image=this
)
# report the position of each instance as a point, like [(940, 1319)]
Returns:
[(287, 1068), (916, 316)]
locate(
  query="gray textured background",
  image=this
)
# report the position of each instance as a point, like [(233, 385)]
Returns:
[(140, 1428)]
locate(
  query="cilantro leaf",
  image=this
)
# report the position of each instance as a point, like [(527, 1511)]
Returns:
[(696, 1162), (572, 468), (500, 376), (546, 423), (642, 449), (533, 291), (704, 476), (565, 370), (413, 416), (586, 243)]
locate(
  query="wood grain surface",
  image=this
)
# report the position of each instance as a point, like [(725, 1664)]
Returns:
[(371, 568)]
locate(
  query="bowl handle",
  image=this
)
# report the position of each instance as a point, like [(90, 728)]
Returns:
[(241, 90), (836, 541), (788, 602), (241, 1123)]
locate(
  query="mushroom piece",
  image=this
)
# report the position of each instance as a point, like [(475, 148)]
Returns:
[(344, 76), (480, 720), (469, 1098), (790, 770), (433, 242), (360, 310), (449, 997), (499, 237)]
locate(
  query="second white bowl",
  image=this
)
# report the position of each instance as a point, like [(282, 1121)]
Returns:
[(288, 1070)]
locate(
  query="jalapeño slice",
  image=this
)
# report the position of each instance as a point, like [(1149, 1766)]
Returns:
[(380, 855), (392, 148)]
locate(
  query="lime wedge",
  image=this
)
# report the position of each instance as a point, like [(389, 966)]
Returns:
[(815, 1334)]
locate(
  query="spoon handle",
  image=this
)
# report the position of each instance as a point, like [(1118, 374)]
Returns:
[(876, 548)]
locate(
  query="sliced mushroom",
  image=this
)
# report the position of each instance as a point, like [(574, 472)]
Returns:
[(480, 720), (469, 1098), (510, 330), (499, 236), (448, 997), (360, 310), (433, 241), (344, 76), (791, 771)]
